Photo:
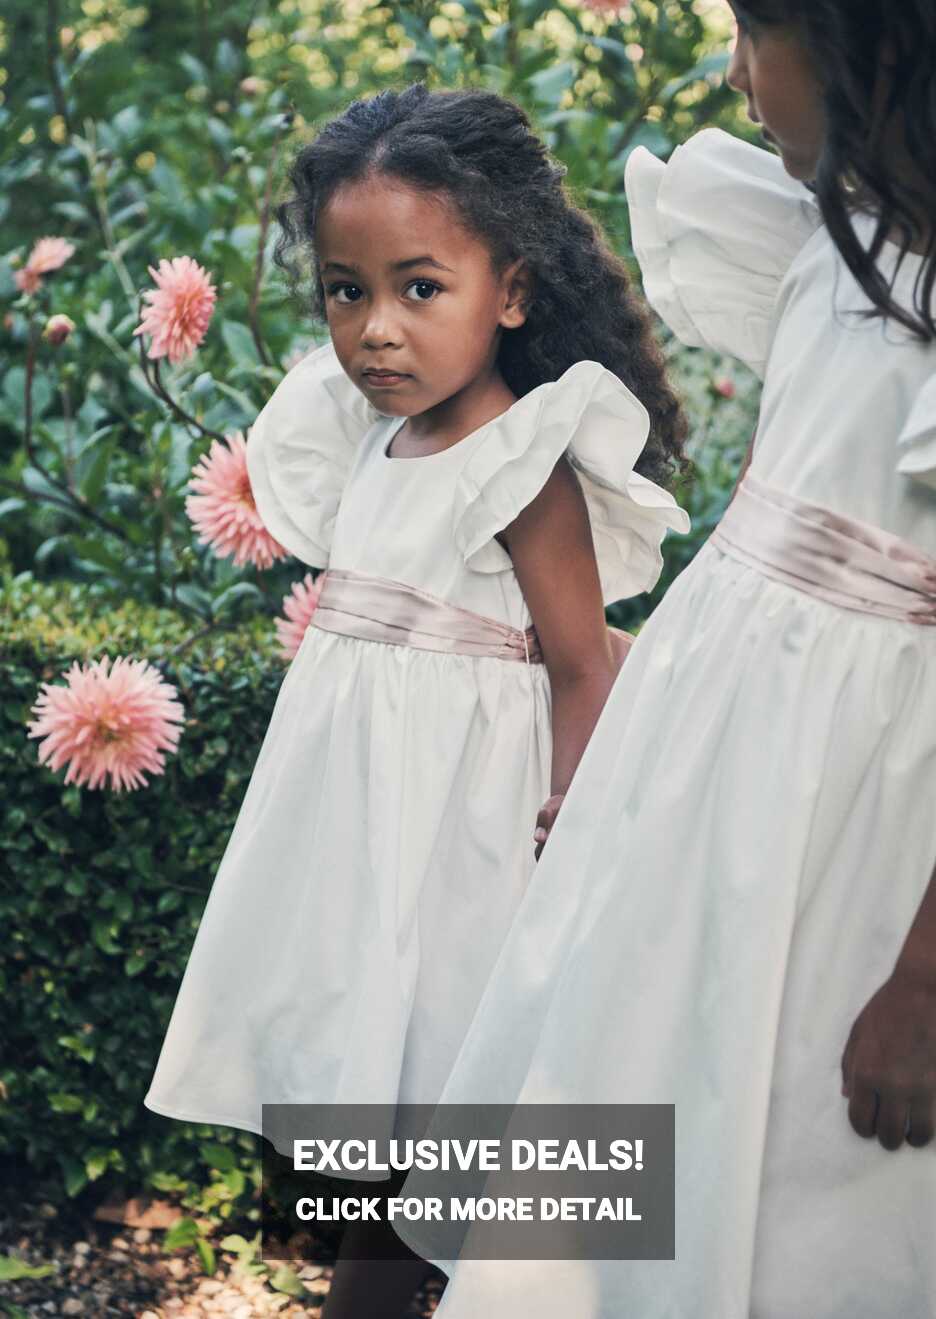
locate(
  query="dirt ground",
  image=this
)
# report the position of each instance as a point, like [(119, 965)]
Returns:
[(100, 1269)]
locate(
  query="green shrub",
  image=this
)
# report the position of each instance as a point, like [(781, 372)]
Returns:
[(102, 894)]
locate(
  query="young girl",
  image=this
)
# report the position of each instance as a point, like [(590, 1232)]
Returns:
[(461, 457), (736, 910)]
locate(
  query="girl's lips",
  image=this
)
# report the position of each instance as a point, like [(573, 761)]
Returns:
[(385, 379)]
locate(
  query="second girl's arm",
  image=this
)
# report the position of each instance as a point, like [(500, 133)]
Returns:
[(550, 543)]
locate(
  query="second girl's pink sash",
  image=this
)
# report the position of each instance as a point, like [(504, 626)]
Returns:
[(378, 609), (838, 559)]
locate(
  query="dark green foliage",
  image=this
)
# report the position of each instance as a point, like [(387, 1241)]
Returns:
[(102, 893)]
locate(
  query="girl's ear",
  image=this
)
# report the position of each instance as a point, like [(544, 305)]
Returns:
[(518, 292)]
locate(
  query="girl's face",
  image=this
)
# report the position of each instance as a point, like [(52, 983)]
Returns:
[(772, 68), (409, 290)]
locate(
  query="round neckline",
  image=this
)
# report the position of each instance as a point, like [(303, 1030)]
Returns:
[(438, 453)]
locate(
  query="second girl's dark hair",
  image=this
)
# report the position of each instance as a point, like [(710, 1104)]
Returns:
[(849, 42), (479, 149)]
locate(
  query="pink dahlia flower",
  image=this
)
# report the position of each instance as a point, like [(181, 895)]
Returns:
[(298, 606), (48, 254), (179, 310), (103, 723), (223, 509)]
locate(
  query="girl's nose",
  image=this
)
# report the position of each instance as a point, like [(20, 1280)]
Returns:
[(380, 328), (736, 75)]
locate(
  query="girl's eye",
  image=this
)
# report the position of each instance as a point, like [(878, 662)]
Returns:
[(343, 288), (423, 284)]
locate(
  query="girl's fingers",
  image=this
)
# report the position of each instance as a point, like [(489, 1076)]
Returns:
[(862, 1109), (846, 1067), (920, 1125), (891, 1124)]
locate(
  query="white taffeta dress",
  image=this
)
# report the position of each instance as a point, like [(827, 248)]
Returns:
[(753, 824), (385, 838)]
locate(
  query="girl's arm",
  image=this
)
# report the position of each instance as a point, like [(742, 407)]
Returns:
[(550, 543), (889, 1063)]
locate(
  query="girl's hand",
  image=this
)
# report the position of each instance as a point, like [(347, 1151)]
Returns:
[(545, 820), (889, 1063)]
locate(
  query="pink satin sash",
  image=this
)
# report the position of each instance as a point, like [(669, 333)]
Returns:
[(834, 558), (377, 609)]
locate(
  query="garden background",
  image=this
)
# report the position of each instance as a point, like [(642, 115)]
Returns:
[(141, 133)]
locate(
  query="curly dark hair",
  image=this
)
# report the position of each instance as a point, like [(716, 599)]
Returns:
[(479, 149), (875, 60)]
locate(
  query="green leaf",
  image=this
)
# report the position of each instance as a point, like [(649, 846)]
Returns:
[(93, 482), (183, 1233), (206, 1255), (248, 409), (81, 1045), (123, 906), (710, 66), (236, 1182), (167, 1181), (64, 1103), (96, 1164), (75, 1177), (48, 548), (102, 933), (238, 1244), (11, 1269), (91, 549), (239, 591), (287, 1280), (227, 57), (218, 1156), (193, 67), (548, 86), (239, 342)]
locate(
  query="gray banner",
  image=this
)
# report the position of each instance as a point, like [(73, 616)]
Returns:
[(534, 1181)]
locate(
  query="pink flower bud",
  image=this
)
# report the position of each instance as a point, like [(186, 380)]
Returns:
[(724, 386), (57, 329)]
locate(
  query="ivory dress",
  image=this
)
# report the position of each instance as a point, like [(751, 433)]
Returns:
[(752, 826), (385, 837)]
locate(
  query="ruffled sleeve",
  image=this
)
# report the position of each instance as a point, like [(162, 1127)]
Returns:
[(300, 450), (592, 417), (715, 231), (916, 446)]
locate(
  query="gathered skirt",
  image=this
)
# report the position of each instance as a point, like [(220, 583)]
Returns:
[(382, 847)]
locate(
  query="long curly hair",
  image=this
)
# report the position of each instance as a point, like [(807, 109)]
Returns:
[(479, 149), (875, 60)]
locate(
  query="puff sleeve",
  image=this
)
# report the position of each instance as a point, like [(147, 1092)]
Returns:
[(715, 231), (300, 450), (592, 417), (916, 445)]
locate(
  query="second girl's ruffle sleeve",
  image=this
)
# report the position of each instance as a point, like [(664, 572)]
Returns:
[(592, 417), (300, 450), (916, 446), (715, 231)]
